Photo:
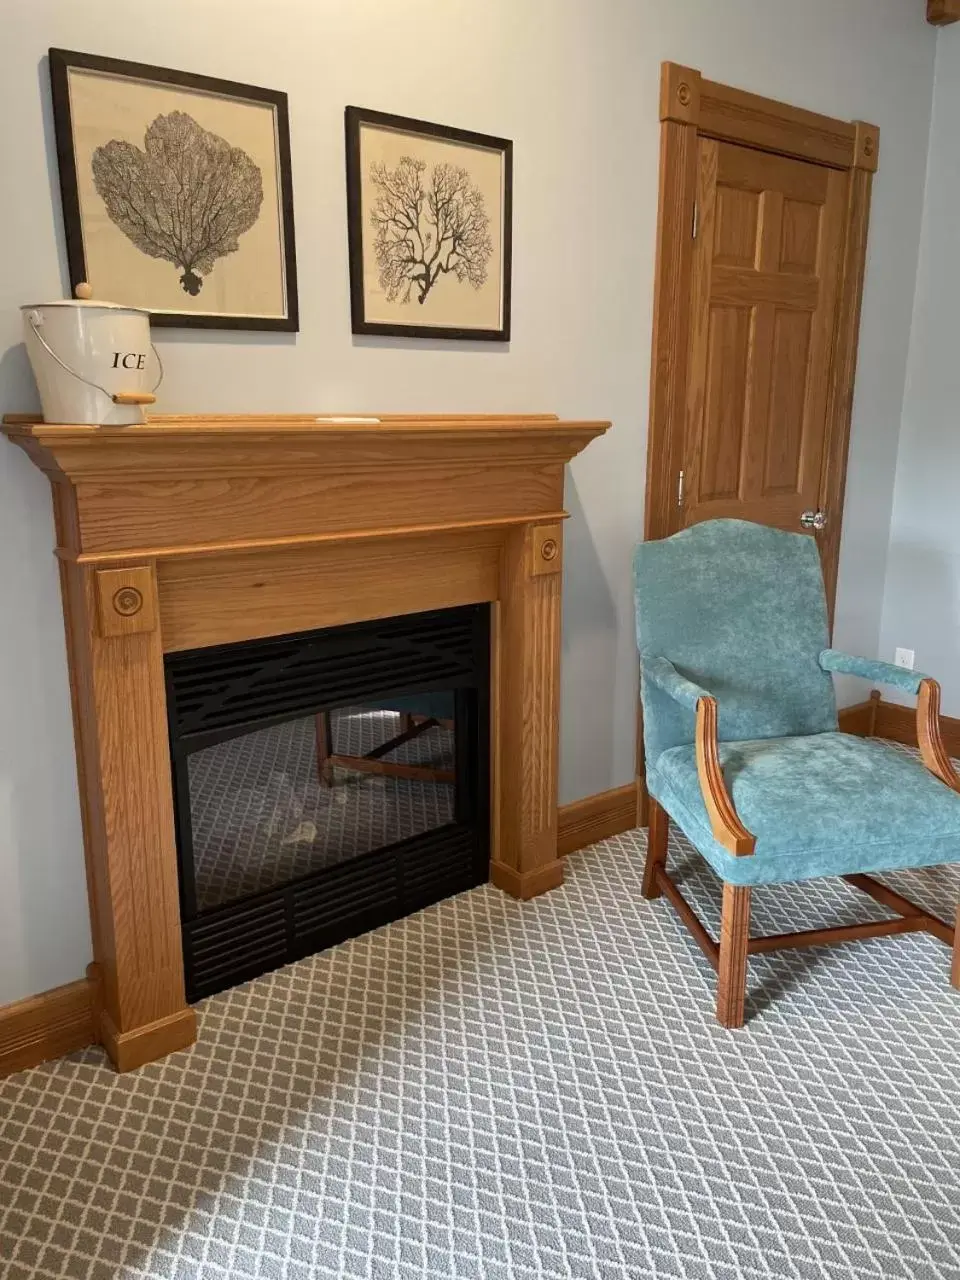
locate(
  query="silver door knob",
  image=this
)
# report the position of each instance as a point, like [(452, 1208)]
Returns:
[(814, 520)]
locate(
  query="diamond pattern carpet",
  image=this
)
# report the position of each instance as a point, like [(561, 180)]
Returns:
[(498, 1089)]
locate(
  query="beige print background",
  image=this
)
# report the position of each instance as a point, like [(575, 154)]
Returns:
[(248, 282), (449, 302)]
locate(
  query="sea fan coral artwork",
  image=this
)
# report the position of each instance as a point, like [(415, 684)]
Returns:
[(187, 197)]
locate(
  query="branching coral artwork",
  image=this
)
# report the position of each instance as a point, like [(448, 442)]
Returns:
[(428, 226), (187, 197), (429, 211)]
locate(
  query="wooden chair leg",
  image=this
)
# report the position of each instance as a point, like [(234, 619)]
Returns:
[(657, 832), (955, 970), (324, 747), (734, 937)]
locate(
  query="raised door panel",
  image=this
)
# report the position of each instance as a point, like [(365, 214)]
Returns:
[(735, 235), (728, 352), (799, 238), (781, 471), (764, 296)]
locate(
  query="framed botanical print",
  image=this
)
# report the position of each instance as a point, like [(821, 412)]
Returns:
[(177, 194), (429, 213)]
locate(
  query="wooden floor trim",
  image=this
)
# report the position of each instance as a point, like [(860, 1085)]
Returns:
[(861, 718), (896, 723), (527, 884), (132, 1049), (584, 822), (46, 1026), (899, 724)]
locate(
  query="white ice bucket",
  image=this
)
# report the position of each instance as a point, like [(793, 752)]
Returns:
[(93, 361)]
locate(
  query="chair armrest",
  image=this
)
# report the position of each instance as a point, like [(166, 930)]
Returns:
[(725, 824), (932, 751), (662, 673), (878, 672)]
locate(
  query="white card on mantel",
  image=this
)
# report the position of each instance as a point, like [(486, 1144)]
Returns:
[(350, 421)]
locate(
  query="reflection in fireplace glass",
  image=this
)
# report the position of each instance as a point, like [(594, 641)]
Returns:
[(278, 803)]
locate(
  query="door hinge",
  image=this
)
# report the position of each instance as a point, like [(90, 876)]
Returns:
[(680, 490), (696, 219)]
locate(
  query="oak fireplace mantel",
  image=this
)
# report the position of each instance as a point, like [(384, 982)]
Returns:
[(194, 531)]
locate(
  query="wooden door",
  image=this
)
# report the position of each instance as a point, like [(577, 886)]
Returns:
[(765, 288)]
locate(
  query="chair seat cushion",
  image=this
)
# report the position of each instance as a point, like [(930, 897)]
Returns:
[(821, 805)]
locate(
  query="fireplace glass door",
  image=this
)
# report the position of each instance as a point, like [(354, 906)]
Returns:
[(304, 817)]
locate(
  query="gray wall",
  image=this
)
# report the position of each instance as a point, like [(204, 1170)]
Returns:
[(575, 84), (921, 608)]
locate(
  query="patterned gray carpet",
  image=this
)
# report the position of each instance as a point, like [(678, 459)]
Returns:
[(492, 1089), (260, 815)]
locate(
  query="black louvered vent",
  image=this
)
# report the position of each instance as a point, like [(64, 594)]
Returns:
[(264, 681), (230, 946), (218, 694)]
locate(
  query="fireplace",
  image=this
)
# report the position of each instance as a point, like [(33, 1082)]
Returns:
[(325, 783), (186, 536)]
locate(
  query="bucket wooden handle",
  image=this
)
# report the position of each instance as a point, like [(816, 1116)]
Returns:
[(134, 397)]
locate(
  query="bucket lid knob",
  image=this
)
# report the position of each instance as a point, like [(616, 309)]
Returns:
[(84, 291)]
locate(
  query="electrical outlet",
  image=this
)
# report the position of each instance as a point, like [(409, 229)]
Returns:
[(903, 658)]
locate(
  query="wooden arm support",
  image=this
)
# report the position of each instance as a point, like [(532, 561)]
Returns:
[(932, 751), (727, 828)]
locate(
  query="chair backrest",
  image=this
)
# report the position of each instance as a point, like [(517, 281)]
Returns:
[(739, 609)]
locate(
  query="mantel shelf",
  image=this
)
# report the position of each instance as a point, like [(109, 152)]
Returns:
[(194, 485), (173, 425), (203, 446)]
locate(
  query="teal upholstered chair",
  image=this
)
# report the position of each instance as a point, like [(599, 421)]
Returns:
[(743, 750)]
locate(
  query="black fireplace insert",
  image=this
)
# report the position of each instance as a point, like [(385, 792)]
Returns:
[(326, 783)]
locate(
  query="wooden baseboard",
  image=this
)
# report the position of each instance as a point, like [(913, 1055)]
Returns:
[(861, 718), (595, 818), (46, 1026), (526, 884), (899, 724), (896, 723), (131, 1049)]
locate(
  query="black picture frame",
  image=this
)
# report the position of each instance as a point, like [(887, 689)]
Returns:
[(61, 62), (354, 119)]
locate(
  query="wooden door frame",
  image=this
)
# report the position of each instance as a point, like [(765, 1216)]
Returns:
[(690, 108)]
